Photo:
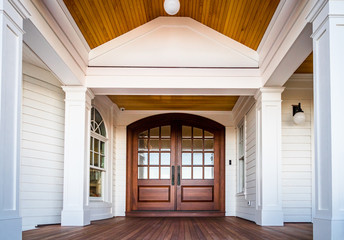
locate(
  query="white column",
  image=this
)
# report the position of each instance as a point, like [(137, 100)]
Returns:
[(268, 166), (11, 43), (76, 156), (328, 48)]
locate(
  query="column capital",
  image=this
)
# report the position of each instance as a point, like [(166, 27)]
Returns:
[(269, 93), (322, 11), (78, 94), (20, 7), (15, 12)]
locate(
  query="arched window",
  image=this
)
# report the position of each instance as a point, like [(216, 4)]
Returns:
[(97, 154)]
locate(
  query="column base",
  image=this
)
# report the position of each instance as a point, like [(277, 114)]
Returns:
[(328, 229), (75, 217), (270, 217), (11, 229)]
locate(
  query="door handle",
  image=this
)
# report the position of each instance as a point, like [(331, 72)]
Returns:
[(178, 177), (172, 175)]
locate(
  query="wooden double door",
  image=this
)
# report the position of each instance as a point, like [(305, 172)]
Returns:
[(176, 166)]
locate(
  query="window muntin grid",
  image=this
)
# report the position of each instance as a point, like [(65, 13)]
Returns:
[(97, 154), (154, 153), (197, 153)]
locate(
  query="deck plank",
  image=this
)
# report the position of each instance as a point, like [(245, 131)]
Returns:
[(173, 228)]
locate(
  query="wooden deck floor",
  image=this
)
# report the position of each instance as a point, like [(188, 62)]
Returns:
[(172, 228)]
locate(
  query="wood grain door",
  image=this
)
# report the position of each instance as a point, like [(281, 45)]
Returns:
[(174, 166), (197, 169), (154, 172)]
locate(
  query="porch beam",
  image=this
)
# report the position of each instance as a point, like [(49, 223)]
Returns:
[(176, 81)]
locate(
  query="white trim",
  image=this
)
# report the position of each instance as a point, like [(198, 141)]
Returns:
[(74, 25), (20, 8), (172, 22), (48, 40), (242, 107)]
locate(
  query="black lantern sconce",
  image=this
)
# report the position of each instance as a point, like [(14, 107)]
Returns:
[(299, 116)]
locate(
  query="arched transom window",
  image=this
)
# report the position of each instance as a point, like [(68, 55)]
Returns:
[(97, 154)]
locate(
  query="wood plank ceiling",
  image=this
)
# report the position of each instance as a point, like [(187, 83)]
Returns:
[(307, 65), (103, 20), (196, 103)]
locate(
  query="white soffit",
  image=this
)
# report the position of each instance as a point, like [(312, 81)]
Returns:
[(30, 57), (174, 42)]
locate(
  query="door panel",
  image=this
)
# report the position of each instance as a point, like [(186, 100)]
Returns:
[(153, 169), (154, 194), (198, 160), (197, 194), (174, 164)]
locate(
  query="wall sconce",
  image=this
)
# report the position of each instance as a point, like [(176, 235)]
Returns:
[(171, 6), (299, 116)]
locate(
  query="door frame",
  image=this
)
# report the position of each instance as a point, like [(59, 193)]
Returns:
[(165, 119)]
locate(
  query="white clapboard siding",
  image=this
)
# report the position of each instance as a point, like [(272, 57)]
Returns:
[(243, 209), (42, 147), (297, 155)]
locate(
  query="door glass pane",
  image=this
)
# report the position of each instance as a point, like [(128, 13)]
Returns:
[(208, 158), (143, 134), (154, 132), (197, 133), (186, 144), (143, 159), (198, 145), (186, 158), (197, 159), (153, 172), (208, 134), (208, 172), (154, 159), (165, 158), (165, 172), (142, 172), (186, 172), (154, 145), (165, 131), (208, 144), (165, 144), (143, 143), (186, 132), (197, 173)]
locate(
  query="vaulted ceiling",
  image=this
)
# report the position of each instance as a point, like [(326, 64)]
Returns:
[(103, 20)]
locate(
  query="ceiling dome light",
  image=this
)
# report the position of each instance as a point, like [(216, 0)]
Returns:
[(171, 6), (299, 116)]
